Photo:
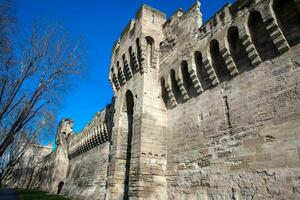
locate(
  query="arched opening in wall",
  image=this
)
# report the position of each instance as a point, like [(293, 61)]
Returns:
[(161, 45), (138, 50), (129, 108), (237, 49), (260, 37), (187, 81), (164, 93), (288, 17), (175, 88), (218, 61), (115, 81), (126, 73), (120, 78), (131, 64), (150, 51), (201, 72), (60, 186)]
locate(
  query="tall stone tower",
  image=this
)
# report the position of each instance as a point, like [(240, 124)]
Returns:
[(138, 151), (64, 131), (60, 156)]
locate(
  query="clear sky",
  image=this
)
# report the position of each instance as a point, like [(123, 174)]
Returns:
[(100, 22)]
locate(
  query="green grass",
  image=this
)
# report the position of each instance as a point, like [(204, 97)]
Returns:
[(38, 195)]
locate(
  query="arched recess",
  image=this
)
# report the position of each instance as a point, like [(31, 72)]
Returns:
[(187, 81), (288, 16), (129, 109), (260, 36), (218, 61), (237, 49), (126, 73), (174, 85), (150, 51), (131, 63), (201, 71), (60, 186), (113, 80), (119, 74), (138, 50), (164, 93)]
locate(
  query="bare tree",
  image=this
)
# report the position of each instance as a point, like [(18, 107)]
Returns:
[(7, 25), (14, 155), (33, 79)]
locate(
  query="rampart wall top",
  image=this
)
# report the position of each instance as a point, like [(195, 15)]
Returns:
[(94, 133), (203, 56), (129, 54)]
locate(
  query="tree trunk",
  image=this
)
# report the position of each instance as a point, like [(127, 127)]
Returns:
[(1, 179), (8, 140)]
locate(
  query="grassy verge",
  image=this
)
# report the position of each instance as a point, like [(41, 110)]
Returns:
[(38, 195)]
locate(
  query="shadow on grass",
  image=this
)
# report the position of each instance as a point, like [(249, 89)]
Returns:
[(38, 195)]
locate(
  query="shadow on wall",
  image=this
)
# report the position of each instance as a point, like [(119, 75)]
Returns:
[(129, 110)]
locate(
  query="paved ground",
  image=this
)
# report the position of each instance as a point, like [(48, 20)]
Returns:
[(8, 194)]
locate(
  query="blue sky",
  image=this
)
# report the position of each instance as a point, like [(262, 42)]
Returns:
[(100, 22)]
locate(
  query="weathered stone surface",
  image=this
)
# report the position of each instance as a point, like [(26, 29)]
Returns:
[(200, 111)]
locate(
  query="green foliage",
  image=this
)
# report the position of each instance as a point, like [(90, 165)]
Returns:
[(26, 194)]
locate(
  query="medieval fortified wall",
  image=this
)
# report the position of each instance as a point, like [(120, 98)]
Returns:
[(200, 111)]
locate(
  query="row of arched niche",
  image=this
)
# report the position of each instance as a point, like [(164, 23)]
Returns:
[(288, 18), (131, 62)]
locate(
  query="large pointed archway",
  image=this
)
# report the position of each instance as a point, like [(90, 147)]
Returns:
[(128, 108)]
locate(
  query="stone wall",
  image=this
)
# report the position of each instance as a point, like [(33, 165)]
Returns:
[(50, 171), (232, 93), (200, 111), (88, 154), (24, 171), (87, 174), (244, 143)]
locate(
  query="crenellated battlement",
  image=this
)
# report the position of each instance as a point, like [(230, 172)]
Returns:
[(130, 54), (221, 18), (237, 38), (88, 139), (95, 133)]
